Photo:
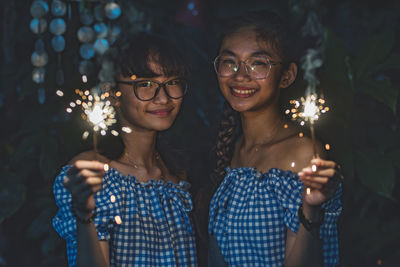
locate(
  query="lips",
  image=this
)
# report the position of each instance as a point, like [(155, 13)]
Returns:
[(240, 91), (160, 112)]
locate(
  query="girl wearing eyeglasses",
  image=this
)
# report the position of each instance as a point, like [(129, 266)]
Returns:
[(260, 213), (131, 206)]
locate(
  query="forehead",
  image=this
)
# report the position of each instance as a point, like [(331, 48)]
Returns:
[(244, 43)]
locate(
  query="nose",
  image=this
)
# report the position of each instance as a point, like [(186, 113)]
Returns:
[(242, 72), (161, 96)]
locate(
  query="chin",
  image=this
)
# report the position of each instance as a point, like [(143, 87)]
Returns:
[(161, 125)]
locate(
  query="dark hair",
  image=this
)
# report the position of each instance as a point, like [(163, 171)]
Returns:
[(131, 56), (271, 28), (136, 51), (224, 146)]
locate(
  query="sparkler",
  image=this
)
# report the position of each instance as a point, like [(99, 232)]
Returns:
[(96, 110), (309, 110)]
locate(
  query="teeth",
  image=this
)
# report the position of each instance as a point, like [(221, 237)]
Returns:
[(244, 92)]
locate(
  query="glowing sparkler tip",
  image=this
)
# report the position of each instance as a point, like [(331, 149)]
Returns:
[(60, 93), (84, 78)]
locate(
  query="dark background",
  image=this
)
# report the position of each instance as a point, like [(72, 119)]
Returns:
[(359, 79)]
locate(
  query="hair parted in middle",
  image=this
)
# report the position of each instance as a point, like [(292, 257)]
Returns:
[(274, 30)]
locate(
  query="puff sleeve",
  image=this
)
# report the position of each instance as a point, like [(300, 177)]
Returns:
[(108, 203), (288, 190)]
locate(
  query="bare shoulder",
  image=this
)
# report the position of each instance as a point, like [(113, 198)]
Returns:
[(89, 155), (301, 150)]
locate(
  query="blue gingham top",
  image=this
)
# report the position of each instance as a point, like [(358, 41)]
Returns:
[(250, 212), (155, 222)]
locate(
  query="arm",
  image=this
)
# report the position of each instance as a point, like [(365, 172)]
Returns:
[(83, 180), (305, 248)]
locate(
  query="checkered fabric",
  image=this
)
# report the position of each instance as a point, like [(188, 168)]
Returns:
[(251, 211), (156, 227)]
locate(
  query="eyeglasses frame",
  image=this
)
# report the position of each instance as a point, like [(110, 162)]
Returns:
[(270, 62), (160, 85)]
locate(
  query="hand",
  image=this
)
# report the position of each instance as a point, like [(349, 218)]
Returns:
[(83, 180), (322, 178)]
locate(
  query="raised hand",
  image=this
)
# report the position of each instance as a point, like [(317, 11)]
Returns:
[(83, 180), (320, 181)]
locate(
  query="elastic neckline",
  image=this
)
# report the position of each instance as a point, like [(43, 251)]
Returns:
[(181, 183)]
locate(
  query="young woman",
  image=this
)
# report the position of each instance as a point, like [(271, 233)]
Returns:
[(133, 208), (260, 214)]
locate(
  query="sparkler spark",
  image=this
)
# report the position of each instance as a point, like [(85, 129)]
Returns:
[(307, 109)]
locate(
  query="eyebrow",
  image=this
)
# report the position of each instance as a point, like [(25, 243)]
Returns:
[(256, 53)]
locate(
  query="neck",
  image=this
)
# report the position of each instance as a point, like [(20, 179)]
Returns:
[(261, 126), (140, 147)]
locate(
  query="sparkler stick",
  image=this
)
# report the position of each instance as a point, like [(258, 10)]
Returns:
[(309, 110)]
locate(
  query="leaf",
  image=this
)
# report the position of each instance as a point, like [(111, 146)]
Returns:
[(382, 91), (374, 51), (375, 171)]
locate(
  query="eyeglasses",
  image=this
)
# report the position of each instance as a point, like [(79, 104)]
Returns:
[(257, 67), (147, 90)]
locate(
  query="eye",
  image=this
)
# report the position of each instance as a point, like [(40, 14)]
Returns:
[(144, 84), (259, 63), (228, 61), (173, 82)]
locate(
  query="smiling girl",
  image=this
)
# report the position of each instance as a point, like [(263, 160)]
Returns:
[(133, 208), (259, 214)]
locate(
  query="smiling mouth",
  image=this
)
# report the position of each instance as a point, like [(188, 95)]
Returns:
[(160, 112), (242, 91)]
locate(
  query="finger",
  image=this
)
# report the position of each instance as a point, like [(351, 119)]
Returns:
[(320, 180), (92, 165), (89, 173), (93, 181), (312, 185), (324, 164), (323, 173)]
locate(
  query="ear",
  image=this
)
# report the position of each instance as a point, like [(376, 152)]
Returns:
[(288, 76)]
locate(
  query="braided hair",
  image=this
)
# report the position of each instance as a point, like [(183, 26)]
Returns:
[(225, 142)]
